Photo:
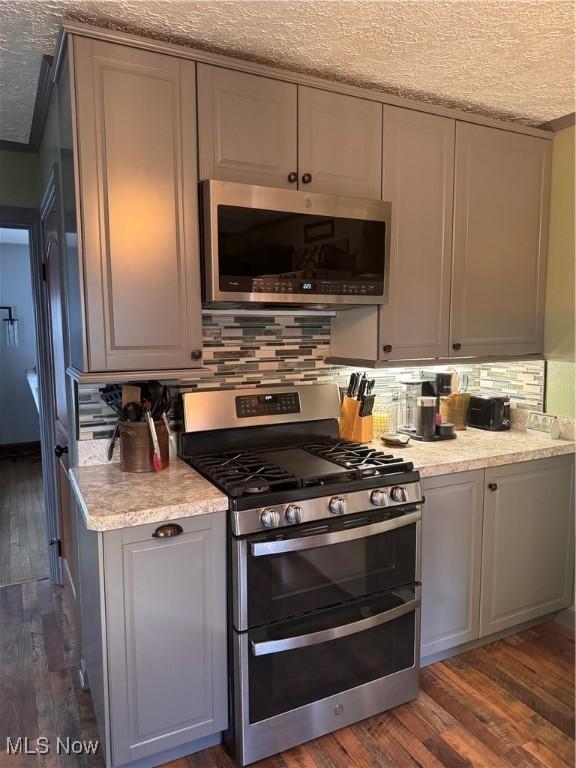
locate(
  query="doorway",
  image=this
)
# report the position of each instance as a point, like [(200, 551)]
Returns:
[(23, 531)]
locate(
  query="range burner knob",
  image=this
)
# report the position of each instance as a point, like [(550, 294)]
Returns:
[(399, 494), (378, 498), (270, 518), (337, 505), (293, 514)]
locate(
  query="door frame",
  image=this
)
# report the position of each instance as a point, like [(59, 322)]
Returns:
[(30, 219)]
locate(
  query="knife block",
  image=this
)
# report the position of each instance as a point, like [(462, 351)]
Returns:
[(358, 429)]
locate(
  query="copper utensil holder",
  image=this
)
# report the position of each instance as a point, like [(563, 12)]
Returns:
[(354, 427), (454, 409), (136, 448)]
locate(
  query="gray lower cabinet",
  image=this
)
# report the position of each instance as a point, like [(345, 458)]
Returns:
[(155, 638), (134, 119), (528, 543), (451, 560), (497, 550)]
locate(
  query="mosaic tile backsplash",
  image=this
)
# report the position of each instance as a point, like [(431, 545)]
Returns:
[(263, 350)]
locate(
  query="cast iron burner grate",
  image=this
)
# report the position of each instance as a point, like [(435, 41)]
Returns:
[(367, 461), (244, 473)]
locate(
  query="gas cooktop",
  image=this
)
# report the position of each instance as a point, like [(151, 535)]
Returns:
[(276, 454), (251, 473)]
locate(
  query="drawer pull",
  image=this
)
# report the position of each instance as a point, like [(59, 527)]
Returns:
[(493, 486), (168, 531)]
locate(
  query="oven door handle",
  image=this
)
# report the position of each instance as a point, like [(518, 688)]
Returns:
[(261, 548), (314, 638)]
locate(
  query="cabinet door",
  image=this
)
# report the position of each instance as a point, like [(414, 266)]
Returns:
[(500, 234), (451, 560), (418, 177), (136, 141), (246, 128), (166, 613), (339, 144), (528, 555)]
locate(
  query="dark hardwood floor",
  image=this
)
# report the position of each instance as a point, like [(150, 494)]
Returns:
[(509, 704), (23, 539)]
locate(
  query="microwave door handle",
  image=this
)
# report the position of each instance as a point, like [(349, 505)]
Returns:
[(314, 638), (262, 548)]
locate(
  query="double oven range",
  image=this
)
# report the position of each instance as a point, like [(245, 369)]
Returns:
[(324, 564)]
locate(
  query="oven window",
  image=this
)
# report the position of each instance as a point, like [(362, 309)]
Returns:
[(284, 585), (306, 252), (281, 681)]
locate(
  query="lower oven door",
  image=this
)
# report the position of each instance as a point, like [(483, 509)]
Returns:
[(298, 679), (297, 570)]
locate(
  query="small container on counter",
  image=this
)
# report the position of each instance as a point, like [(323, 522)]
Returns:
[(454, 409), (426, 416), (136, 449)]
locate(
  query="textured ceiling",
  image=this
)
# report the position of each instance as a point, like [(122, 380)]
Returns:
[(502, 58)]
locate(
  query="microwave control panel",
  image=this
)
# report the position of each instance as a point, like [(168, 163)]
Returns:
[(277, 404), (319, 287)]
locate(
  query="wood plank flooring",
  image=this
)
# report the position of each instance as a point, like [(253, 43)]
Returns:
[(23, 539), (506, 705)]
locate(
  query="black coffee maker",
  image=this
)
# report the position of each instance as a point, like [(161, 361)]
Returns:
[(416, 418)]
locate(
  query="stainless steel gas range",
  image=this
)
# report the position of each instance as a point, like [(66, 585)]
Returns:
[(324, 564)]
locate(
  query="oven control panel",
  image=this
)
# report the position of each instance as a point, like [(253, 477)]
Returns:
[(275, 404)]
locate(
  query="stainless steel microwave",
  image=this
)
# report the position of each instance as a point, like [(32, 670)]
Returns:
[(277, 246)]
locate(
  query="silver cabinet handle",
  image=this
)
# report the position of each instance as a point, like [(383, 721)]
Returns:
[(314, 638), (261, 548), (168, 531)]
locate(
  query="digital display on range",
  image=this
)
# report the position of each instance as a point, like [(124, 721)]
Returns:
[(276, 404)]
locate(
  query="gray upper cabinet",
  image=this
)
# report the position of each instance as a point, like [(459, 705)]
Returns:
[(528, 545), (246, 128), (166, 622), (418, 169), (136, 156), (339, 144), (501, 195), (451, 560)]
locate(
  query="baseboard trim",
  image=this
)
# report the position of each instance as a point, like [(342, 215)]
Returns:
[(458, 649), (567, 618)]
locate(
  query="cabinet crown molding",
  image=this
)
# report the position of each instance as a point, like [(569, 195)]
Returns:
[(182, 51)]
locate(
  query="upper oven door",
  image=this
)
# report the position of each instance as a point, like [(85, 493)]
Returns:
[(281, 246), (290, 572)]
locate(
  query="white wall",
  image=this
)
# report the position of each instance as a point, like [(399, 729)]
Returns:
[(18, 415)]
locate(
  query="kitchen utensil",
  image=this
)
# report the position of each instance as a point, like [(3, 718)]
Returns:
[(463, 386), (130, 394), (362, 387), (171, 436), (352, 384), (132, 412), (112, 396), (113, 441), (156, 459), (455, 383)]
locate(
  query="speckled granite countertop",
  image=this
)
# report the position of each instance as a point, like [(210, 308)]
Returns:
[(111, 499), (477, 449)]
